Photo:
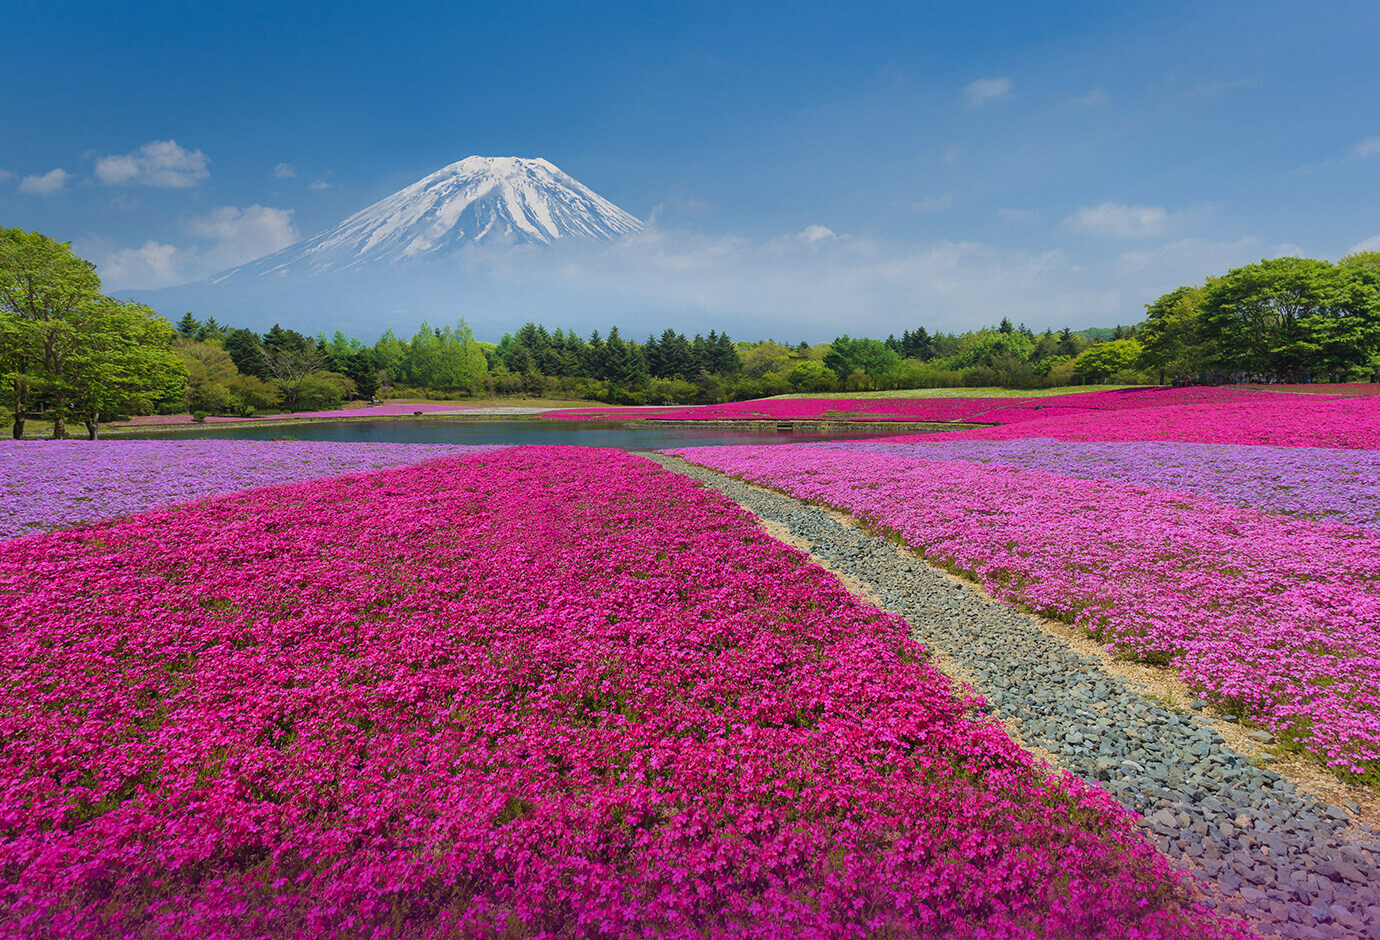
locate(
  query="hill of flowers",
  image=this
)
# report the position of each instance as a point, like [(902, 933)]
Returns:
[(528, 692), (1331, 484), (1278, 419), (1276, 617), (975, 410), (54, 484)]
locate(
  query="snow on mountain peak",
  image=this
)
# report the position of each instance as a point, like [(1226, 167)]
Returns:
[(521, 200)]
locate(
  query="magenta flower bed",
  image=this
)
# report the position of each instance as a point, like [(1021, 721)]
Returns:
[(976, 410), (535, 691), (1330, 484), (384, 410), (1268, 418), (53, 484), (1276, 617)]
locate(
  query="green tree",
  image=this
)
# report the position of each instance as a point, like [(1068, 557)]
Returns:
[(812, 377), (1170, 344), (48, 296), (1099, 363), (1289, 317), (847, 355), (188, 325), (124, 363)]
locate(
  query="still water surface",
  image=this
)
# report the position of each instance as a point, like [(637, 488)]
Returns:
[(586, 433)]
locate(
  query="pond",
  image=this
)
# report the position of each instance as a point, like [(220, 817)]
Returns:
[(634, 436)]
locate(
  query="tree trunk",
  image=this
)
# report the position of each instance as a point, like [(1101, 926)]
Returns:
[(59, 417), (93, 424), (21, 402)]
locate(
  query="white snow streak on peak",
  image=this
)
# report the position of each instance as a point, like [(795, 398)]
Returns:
[(477, 199)]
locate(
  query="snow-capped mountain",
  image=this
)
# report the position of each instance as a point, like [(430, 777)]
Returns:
[(475, 201)]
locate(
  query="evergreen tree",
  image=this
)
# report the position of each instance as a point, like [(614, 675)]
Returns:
[(188, 325)]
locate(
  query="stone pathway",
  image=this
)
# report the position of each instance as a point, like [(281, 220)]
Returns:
[(1291, 865)]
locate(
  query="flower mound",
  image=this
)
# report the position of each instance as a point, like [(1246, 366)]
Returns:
[(1275, 617), (1318, 483), (1276, 419), (53, 484), (539, 690), (1001, 411)]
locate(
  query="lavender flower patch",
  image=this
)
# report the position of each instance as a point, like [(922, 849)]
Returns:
[(1329, 484), (55, 484)]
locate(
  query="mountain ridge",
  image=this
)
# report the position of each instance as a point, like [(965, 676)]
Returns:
[(477, 200)]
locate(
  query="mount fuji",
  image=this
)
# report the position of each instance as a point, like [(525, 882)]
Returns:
[(478, 200)]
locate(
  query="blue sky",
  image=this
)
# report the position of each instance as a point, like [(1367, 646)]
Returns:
[(1061, 163)]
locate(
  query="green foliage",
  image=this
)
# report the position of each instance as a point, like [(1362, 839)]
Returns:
[(443, 358), (1099, 363), (812, 377), (66, 343), (1293, 317), (847, 355), (1169, 339)]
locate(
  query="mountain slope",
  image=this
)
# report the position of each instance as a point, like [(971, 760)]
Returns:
[(478, 200)]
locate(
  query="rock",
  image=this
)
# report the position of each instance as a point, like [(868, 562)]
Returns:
[(1264, 737)]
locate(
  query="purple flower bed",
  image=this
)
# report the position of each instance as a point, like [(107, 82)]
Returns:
[(1315, 482), (55, 484)]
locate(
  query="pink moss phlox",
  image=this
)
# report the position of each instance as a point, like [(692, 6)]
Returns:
[(534, 691), (1276, 616)]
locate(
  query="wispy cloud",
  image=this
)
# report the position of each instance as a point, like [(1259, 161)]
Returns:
[(321, 184), (161, 163), (1370, 244), (935, 203), (5, 175), (285, 171), (1370, 147), (1093, 98), (1117, 219), (45, 185), (225, 237), (987, 89), (815, 233)]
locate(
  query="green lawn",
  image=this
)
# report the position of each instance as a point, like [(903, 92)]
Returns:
[(989, 391)]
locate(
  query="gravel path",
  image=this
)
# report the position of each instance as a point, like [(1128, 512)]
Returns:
[(1259, 848)]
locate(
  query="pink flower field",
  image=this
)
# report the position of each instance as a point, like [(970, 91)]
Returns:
[(1208, 415), (1274, 616), (537, 691)]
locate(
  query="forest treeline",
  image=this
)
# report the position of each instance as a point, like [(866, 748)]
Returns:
[(68, 351)]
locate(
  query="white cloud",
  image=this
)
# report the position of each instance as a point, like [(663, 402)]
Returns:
[(815, 233), (1025, 216), (1093, 98), (1123, 221), (321, 184), (1286, 250), (5, 175), (158, 163), (51, 182), (285, 171), (935, 203), (153, 265), (987, 89), (1370, 147), (1370, 244), (1189, 260), (228, 236)]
